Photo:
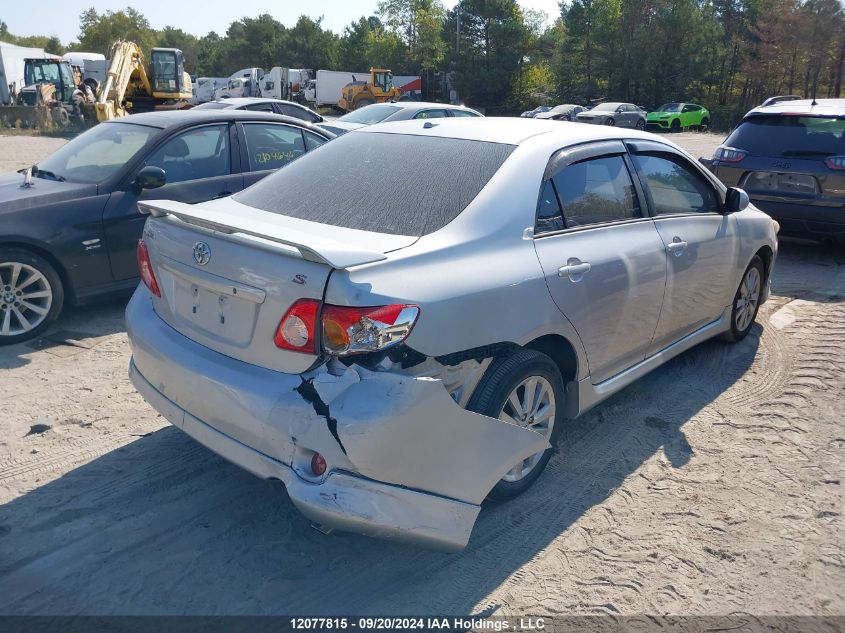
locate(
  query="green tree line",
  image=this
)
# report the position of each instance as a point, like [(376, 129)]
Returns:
[(726, 54)]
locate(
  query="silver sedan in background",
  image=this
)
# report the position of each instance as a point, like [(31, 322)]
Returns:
[(406, 339), (396, 111), (615, 114)]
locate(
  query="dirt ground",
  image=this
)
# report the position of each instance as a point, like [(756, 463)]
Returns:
[(712, 486)]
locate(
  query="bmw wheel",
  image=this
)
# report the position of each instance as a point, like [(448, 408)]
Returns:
[(746, 301), (610, 121), (640, 124), (525, 389), (31, 295)]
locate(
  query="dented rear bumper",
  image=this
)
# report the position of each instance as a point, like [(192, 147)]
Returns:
[(405, 461)]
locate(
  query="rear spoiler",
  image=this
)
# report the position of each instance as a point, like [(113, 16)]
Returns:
[(267, 226)]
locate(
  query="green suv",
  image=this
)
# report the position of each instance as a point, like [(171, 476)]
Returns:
[(679, 116)]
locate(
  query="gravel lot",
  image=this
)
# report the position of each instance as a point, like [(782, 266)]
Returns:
[(712, 486)]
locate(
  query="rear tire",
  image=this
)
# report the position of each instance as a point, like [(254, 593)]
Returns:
[(746, 301), (31, 295), (640, 124), (705, 124), (504, 383)]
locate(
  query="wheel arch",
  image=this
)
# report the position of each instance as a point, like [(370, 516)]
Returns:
[(767, 255), (561, 351), (45, 253)]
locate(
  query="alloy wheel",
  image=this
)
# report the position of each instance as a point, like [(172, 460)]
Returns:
[(531, 404), (746, 302), (25, 298)]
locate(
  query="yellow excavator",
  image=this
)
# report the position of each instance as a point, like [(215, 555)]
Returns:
[(130, 86), (378, 89)]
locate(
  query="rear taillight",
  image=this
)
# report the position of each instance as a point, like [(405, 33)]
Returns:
[(835, 162), (729, 154), (345, 330), (145, 268), (297, 328), (360, 330)]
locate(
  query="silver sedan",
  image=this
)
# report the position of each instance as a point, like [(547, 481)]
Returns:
[(399, 336)]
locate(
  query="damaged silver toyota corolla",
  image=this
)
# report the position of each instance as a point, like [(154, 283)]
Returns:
[(397, 324)]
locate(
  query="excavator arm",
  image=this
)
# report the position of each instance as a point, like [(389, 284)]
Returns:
[(126, 66)]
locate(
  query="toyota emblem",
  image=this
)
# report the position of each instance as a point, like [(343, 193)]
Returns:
[(202, 253)]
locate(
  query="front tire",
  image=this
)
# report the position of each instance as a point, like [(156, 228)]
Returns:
[(31, 295), (676, 125), (526, 389), (611, 122), (746, 301)]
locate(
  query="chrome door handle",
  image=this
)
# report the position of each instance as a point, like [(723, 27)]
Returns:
[(676, 246), (575, 269)]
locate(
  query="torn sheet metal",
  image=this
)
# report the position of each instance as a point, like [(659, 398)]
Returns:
[(408, 431)]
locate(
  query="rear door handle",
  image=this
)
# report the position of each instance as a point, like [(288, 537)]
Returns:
[(676, 246), (575, 269)]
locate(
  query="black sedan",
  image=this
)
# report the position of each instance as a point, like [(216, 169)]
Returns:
[(263, 104), (69, 226)]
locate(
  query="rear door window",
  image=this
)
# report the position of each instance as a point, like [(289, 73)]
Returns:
[(296, 112), (596, 191), (199, 153), (790, 136), (261, 107), (549, 216), (272, 145), (430, 114), (462, 113), (312, 141)]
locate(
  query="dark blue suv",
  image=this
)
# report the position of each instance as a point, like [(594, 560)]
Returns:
[(790, 158)]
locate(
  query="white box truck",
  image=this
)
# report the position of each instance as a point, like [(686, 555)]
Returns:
[(326, 88)]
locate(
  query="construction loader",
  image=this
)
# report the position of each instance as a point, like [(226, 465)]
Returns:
[(378, 89), (131, 86)]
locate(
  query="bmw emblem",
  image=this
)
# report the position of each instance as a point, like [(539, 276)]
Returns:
[(202, 253)]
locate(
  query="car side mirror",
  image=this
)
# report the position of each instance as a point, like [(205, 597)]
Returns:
[(736, 200), (150, 177)]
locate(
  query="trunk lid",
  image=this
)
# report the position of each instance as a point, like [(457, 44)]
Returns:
[(228, 273)]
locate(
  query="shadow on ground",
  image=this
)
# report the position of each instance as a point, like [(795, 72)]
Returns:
[(76, 328)]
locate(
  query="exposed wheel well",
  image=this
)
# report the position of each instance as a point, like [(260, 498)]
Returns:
[(560, 351), (60, 270), (766, 254)]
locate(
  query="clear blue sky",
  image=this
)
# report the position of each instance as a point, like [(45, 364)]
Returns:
[(61, 17)]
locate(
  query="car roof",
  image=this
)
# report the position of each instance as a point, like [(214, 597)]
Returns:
[(238, 101), (182, 118), (507, 130), (802, 106)]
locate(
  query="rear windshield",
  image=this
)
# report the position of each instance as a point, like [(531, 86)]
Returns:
[(789, 135), (371, 114), (386, 183)]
